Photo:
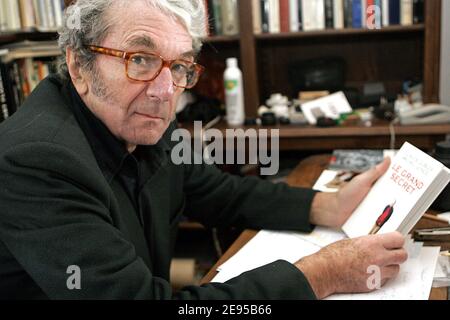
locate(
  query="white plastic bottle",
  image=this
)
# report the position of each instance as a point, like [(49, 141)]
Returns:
[(234, 93)]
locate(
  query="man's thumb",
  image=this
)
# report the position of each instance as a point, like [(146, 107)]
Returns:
[(380, 169)]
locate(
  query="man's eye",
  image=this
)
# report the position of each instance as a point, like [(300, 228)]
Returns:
[(180, 68), (139, 60)]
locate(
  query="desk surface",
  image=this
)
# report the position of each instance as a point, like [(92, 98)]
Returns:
[(377, 136), (304, 175)]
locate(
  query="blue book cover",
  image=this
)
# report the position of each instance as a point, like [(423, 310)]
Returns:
[(357, 14), (394, 12)]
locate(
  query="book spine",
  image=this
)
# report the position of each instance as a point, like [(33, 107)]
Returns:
[(217, 14), (338, 12), (394, 12), (329, 14), (4, 113), (293, 16), (406, 7), (284, 16), (8, 89), (348, 13), (12, 15), (256, 12), (27, 14), (230, 17), (265, 16), (300, 14), (320, 15), (58, 13), (50, 14), (418, 11), (313, 15), (357, 18), (363, 13), (274, 16), (385, 13)]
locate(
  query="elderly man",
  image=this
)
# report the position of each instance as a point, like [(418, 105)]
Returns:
[(87, 183)]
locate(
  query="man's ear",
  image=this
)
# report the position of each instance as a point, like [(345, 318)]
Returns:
[(76, 74)]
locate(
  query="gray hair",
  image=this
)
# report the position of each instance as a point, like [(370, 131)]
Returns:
[(89, 21)]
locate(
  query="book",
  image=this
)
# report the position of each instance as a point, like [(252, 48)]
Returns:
[(401, 196)]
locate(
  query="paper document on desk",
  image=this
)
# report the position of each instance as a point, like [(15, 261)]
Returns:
[(414, 281), (270, 246)]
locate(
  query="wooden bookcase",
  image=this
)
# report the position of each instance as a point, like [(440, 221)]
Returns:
[(390, 55)]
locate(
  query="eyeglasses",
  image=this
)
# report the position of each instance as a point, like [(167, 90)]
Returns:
[(146, 67)]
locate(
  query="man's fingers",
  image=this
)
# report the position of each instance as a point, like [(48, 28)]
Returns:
[(390, 272), (376, 172), (397, 256), (393, 240)]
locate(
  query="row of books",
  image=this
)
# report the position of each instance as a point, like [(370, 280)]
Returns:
[(21, 70), (42, 15), (223, 17), (274, 16)]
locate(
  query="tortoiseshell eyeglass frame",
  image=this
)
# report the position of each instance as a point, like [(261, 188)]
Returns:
[(165, 63)]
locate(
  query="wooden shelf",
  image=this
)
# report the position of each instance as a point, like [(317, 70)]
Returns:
[(342, 32), (377, 136), (9, 37), (221, 39)]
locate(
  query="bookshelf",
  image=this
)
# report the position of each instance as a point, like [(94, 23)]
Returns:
[(400, 53), (391, 55)]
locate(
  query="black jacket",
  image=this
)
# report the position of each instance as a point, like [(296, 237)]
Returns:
[(58, 208)]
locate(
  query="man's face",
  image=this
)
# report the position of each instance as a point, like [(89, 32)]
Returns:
[(138, 113)]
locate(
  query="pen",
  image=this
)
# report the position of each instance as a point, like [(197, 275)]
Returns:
[(383, 218)]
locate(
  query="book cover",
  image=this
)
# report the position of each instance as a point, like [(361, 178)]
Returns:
[(401, 196)]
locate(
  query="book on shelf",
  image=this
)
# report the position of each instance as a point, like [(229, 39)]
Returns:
[(22, 66), (31, 15), (401, 196), (313, 15)]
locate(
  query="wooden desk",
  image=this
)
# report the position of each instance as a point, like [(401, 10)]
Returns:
[(293, 137), (304, 175)]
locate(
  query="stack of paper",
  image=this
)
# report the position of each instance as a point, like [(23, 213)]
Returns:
[(414, 281)]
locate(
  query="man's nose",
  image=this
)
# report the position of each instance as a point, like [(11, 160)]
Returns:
[(162, 86)]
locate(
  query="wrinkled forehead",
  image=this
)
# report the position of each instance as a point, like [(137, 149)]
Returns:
[(140, 26)]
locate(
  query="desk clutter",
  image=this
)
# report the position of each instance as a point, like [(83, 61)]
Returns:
[(424, 268), (428, 265), (322, 109)]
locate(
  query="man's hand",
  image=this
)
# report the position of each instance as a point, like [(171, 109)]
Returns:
[(343, 267), (333, 209)]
